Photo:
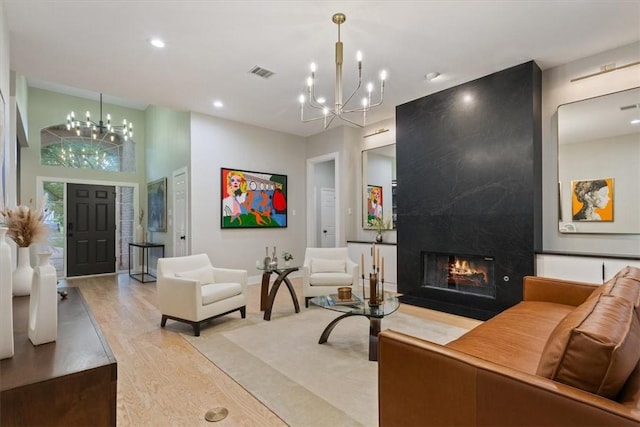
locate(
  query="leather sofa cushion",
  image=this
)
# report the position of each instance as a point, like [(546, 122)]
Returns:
[(624, 287), (630, 394), (629, 273), (595, 347), (515, 337)]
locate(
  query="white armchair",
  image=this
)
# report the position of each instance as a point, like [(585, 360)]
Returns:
[(191, 290), (326, 269)]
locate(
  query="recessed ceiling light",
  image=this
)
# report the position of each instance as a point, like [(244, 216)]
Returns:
[(635, 122), (157, 43), (218, 104), (431, 76)]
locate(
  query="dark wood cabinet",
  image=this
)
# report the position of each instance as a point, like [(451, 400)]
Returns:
[(70, 382)]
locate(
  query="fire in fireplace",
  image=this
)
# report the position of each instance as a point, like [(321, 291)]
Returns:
[(470, 274)]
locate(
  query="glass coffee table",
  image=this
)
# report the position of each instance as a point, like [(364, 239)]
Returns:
[(375, 315)]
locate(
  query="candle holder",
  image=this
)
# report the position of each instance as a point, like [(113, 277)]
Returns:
[(374, 299), (364, 288)]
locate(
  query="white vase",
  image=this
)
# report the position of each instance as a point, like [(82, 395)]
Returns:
[(6, 298), (23, 275), (139, 233), (43, 303)]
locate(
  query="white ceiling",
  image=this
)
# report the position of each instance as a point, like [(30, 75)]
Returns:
[(102, 46)]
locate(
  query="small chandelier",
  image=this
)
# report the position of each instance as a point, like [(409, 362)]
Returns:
[(339, 110), (100, 129)]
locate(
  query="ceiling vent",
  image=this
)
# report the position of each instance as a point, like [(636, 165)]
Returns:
[(261, 72)]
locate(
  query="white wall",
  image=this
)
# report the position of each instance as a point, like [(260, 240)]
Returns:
[(557, 90), (166, 150), (7, 150), (218, 143), (343, 140)]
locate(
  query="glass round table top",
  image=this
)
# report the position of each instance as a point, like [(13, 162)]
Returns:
[(357, 305)]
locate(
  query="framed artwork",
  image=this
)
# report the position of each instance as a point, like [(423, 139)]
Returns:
[(374, 203), (592, 200), (251, 199), (157, 205)]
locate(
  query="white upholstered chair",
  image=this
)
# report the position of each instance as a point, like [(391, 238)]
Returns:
[(191, 290), (326, 269)]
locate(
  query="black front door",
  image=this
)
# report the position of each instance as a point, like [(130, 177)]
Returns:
[(91, 229)]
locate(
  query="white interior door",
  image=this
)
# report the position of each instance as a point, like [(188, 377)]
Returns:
[(180, 215), (327, 218)]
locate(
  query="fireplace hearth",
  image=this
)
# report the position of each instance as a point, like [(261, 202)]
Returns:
[(468, 274)]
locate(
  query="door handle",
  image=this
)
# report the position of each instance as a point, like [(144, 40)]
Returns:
[(324, 231), (70, 229), (183, 237)]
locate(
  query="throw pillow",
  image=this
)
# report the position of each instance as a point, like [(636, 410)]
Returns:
[(320, 265), (595, 347), (203, 274)]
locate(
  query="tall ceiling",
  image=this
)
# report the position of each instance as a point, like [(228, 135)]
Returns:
[(83, 47)]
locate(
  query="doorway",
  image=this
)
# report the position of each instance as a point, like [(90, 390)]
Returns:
[(53, 196), (328, 217), (91, 229), (323, 177), (180, 212)]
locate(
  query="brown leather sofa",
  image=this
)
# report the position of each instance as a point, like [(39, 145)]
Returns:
[(568, 355)]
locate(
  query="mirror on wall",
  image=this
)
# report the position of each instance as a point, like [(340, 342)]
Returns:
[(598, 158), (379, 186)]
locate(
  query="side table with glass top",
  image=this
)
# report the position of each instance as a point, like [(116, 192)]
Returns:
[(268, 296), (374, 314), (144, 272)]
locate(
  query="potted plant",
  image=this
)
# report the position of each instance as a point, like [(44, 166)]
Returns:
[(288, 257), (380, 226), (25, 226)]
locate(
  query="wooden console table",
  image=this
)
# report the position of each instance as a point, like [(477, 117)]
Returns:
[(69, 382)]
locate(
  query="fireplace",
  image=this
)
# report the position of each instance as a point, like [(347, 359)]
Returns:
[(469, 172), (469, 274)]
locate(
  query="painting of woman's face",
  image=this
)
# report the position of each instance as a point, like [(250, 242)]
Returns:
[(602, 198), (235, 181)]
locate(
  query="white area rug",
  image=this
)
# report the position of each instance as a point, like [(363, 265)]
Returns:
[(305, 383)]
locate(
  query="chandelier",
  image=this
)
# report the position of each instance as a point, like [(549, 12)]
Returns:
[(339, 108), (100, 129)]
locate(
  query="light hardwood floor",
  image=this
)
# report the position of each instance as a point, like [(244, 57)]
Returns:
[(162, 379)]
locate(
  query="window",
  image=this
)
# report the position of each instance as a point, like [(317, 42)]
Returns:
[(61, 147)]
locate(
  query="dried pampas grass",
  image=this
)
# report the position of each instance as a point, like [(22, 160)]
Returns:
[(26, 225)]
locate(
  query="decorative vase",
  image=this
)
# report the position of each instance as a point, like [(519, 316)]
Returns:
[(287, 263), (379, 237), (139, 233), (274, 257), (43, 303), (6, 298), (23, 275), (267, 259)]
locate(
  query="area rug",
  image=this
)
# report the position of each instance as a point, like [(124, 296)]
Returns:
[(305, 383)]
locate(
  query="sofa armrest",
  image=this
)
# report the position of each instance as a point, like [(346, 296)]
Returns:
[(556, 290), (421, 383), (179, 297), (353, 270), (221, 275)]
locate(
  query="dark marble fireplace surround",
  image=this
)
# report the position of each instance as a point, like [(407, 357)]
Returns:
[(469, 182)]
